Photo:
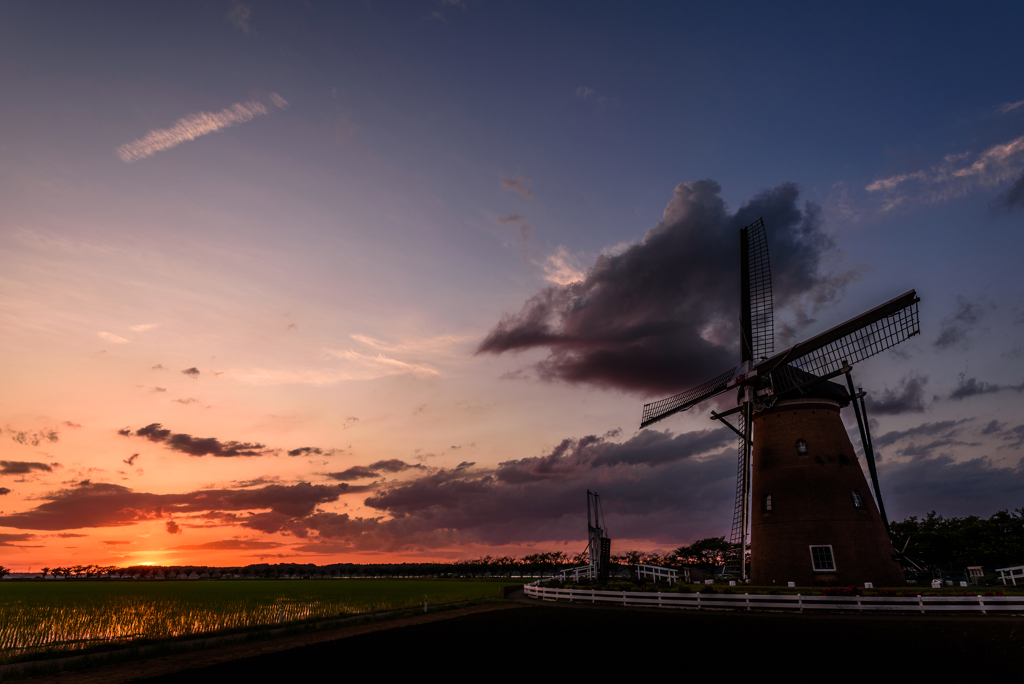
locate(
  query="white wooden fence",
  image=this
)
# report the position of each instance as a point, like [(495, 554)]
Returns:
[(1012, 574), (795, 602)]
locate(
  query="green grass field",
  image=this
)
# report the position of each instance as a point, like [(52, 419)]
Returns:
[(71, 615)]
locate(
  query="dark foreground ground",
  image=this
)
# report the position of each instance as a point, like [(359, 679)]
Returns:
[(543, 641)]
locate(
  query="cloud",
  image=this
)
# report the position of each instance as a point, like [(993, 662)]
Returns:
[(190, 400), (584, 92), (158, 366), (393, 465), (7, 539), (524, 186), (194, 126), (130, 460), (4, 491), (196, 446), (158, 389), (354, 473), (229, 545), (173, 527), (1009, 107), (1013, 198), (239, 17), (969, 387), (191, 372), (907, 397), (662, 315), (117, 543), (69, 424), (144, 327), (956, 328), (111, 337), (365, 366), (35, 438), (947, 428), (96, 504), (956, 488), (955, 176), (22, 467), (561, 268)]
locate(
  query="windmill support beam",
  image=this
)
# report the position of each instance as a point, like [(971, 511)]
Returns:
[(721, 417), (859, 408)]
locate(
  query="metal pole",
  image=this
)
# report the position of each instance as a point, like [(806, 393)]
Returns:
[(747, 429), (869, 453)]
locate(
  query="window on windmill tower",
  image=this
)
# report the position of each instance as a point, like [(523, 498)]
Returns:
[(767, 503), (858, 500), (801, 447), (821, 558)]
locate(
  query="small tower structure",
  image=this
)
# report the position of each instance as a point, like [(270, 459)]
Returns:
[(599, 547)]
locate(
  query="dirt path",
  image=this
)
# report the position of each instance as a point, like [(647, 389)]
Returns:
[(166, 665)]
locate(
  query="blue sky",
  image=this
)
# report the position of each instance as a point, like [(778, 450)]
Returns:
[(399, 178)]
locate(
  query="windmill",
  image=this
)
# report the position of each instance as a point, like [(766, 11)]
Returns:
[(814, 524)]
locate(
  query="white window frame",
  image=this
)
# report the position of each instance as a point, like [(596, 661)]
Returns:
[(830, 554)]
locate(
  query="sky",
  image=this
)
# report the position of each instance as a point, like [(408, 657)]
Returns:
[(391, 281)]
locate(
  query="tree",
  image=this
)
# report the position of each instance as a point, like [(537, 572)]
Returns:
[(706, 554), (4, 571)]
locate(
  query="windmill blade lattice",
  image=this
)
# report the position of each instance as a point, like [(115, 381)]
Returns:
[(657, 410), (859, 338), (759, 285)]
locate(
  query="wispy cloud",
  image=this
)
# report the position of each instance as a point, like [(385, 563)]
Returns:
[(957, 175), (144, 327), (193, 126), (239, 16), (1009, 107), (111, 337), (524, 186), (562, 268), (367, 366)]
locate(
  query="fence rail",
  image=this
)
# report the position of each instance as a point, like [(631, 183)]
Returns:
[(796, 602)]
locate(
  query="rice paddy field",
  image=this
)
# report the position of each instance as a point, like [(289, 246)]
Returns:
[(73, 615)]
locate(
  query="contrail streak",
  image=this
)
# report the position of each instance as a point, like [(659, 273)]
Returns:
[(191, 127)]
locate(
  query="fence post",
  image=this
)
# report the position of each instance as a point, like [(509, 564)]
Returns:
[(859, 607), (920, 602), (800, 600), (747, 596), (698, 600), (981, 602)]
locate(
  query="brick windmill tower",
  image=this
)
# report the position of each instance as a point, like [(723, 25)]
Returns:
[(799, 482)]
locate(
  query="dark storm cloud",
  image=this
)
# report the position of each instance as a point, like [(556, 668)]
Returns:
[(956, 328), (969, 387), (22, 467), (662, 316), (906, 397), (1013, 198), (196, 446), (96, 504)]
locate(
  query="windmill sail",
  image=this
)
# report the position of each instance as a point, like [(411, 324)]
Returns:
[(857, 339), (756, 304), (657, 410)]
